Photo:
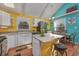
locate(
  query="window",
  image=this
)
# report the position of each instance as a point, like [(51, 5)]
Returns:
[(23, 25)]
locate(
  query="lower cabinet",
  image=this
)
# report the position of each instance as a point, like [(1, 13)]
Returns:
[(11, 40), (24, 38), (41, 48), (14, 40)]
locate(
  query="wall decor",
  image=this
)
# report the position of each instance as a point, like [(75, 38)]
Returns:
[(72, 21)]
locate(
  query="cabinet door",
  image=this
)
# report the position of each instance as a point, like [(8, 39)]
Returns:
[(24, 38), (11, 41), (28, 37), (5, 19), (36, 47)]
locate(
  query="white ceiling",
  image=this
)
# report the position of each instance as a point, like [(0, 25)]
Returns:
[(43, 10), (34, 9), (51, 9)]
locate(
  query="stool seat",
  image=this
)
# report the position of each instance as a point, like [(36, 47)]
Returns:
[(60, 47)]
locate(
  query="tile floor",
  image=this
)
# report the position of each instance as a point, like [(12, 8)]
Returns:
[(24, 52), (77, 51), (71, 51)]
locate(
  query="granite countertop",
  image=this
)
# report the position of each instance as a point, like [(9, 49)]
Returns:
[(47, 37)]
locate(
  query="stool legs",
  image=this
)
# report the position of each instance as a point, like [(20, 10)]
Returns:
[(59, 53), (63, 53)]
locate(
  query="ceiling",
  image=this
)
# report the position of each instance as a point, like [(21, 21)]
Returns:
[(43, 10)]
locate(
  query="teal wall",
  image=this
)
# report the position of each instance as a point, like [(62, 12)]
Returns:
[(63, 9), (70, 28)]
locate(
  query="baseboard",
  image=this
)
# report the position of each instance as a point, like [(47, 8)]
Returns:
[(18, 48)]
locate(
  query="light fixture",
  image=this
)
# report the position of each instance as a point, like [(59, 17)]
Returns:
[(53, 17)]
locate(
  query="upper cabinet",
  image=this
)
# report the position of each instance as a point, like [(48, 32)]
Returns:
[(5, 19)]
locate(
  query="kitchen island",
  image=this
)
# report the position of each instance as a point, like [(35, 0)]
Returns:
[(42, 46)]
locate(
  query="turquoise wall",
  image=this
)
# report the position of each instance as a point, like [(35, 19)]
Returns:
[(70, 28), (63, 9)]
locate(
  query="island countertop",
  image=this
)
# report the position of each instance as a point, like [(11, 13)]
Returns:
[(47, 37)]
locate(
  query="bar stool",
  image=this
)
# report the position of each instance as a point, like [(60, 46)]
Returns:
[(60, 49), (71, 38)]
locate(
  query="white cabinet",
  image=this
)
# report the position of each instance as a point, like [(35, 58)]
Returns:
[(36, 47), (11, 40), (18, 39), (24, 38), (5, 19)]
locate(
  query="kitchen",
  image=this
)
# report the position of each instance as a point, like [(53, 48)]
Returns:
[(39, 29)]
